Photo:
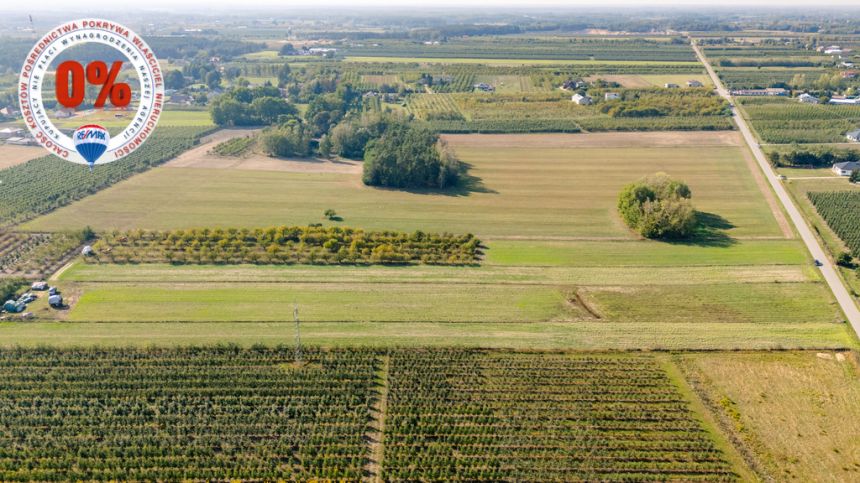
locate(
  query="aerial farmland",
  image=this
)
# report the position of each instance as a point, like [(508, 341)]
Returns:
[(496, 249)]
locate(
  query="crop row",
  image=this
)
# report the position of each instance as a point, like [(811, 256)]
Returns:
[(286, 245), (459, 415), (44, 184), (840, 210), (180, 414)]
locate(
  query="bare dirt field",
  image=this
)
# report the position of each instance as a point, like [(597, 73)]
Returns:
[(202, 157), (599, 140), (11, 155)]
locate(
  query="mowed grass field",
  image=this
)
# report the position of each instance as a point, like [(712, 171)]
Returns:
[(796, 413), (523, 185)]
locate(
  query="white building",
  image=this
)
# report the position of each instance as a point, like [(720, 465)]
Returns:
[(845, 101), (11, 132), (611, 96), (670, 85), (854, 136), (581, 100), (845, 169), (808, 98)]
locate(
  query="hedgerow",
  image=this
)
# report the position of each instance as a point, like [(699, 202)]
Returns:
[(286, 245)]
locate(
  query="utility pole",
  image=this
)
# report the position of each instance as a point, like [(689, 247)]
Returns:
[(298, 353)]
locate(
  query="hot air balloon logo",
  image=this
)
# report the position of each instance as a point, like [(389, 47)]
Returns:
[(91, 141)]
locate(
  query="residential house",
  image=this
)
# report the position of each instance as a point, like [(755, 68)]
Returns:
[(849, 74), (484, 87), (670, 85), (694, 83), (581, 99), (611, 96), (807, 98), (845, 169), (854, 135)]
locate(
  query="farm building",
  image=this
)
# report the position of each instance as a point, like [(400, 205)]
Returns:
[(694, 83), (771, 91), (611, 96), (8, 112), (484, 87), (808, 98), (849, 74), (22, 141), (581, 100), (11, 132), (845, 101), (62, 114), (845, 169), (854, 135), (670, 85)]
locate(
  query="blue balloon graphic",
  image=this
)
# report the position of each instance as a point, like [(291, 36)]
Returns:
[(91, 141)]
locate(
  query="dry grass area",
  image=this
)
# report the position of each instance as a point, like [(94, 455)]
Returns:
[(203, 157), (796, 414), (612, 140), (11, 155)]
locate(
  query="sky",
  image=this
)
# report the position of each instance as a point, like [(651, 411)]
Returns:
[(64, 5)]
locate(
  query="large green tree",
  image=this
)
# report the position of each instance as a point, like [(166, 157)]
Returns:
[(658, 207)]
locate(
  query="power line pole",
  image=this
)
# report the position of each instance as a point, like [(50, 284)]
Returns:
[(298, 353)]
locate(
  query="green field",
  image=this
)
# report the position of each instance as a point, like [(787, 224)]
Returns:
[(559, 270), (517, 189)]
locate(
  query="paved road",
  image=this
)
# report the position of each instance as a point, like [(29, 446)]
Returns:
[(828, 270)]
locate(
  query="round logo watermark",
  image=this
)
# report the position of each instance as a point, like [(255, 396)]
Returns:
[(91, 143)]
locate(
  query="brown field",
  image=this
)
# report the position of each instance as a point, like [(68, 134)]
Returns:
[(11, 155), (613, 140), (202, 157), (794, 413)]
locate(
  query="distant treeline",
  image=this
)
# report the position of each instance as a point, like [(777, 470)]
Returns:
[(813, 158)]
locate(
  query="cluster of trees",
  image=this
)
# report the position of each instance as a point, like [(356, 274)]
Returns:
[(397, 153), (648, 103), (287, 245), (812, 158), (244, 106), (658, 206), (9, 288), (290, 139), (410, 156)]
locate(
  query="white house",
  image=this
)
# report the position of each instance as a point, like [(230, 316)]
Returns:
[(611, 96), (670, 85), (581, 100), (845, 169), (694, 83), (808, 98), (854, 136)]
